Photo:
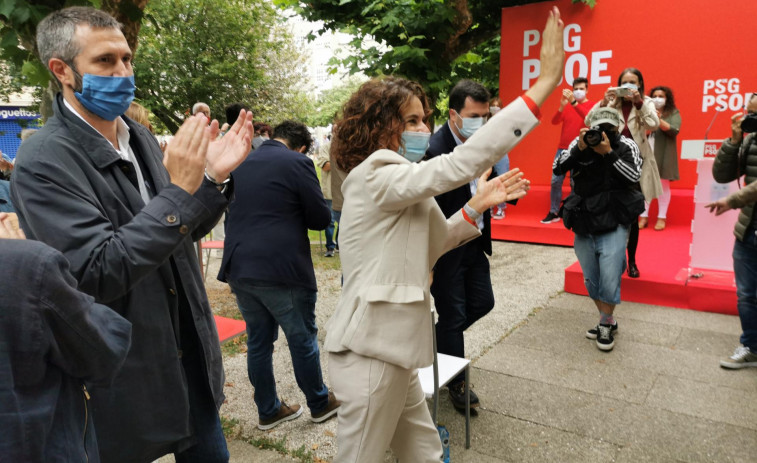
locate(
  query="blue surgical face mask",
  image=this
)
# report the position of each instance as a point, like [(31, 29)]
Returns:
[(415, 145), (107, 97), (470, 125), (630, 85)]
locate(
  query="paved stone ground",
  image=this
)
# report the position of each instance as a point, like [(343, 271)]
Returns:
[(548, 394)]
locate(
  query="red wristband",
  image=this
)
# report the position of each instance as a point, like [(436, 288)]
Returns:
[(468, 219), (532, 106)]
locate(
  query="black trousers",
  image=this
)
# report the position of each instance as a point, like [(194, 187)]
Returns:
[(462, 291)]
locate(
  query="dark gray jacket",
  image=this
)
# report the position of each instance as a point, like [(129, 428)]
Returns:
[(73, 192), (726, 169), (52, 339)]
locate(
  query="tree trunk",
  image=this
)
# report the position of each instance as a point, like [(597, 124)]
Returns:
[(129, 13)]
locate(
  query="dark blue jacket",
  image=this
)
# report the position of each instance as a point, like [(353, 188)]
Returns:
[(277, 199), (53, 339), (74, 192), (443, 142)]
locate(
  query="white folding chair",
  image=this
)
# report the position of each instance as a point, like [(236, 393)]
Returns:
[(439, 374)]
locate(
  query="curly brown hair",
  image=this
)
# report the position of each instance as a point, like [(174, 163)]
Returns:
[(372, 119)]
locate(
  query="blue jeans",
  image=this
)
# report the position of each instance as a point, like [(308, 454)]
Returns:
[(603, 260), (555, 191), (264, 306), (330, 245), (211, 443), (502, 166), (745, 271)]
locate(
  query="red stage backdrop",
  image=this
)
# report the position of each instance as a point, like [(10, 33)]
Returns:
[(699, 48)]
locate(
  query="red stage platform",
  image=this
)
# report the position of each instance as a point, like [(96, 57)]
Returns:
[(228, 328), (662, 257)]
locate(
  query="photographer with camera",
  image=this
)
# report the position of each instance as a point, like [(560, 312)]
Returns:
[(638, 118), (605, 167), (736, 157)]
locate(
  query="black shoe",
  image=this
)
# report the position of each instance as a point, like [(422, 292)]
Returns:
[(457, 396), (592, 333), (605, 340), (550, 218), (633, 270)]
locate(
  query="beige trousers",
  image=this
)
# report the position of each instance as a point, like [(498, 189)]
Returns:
[(383, 406)]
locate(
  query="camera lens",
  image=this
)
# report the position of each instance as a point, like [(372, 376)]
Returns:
[(749, 124), (593, 137)]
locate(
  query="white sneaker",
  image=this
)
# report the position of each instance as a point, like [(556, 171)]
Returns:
[(742, 357)]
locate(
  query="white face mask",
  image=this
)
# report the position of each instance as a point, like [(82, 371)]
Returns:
[(470, 125), (659, 102), (494, 109), (579, 94)]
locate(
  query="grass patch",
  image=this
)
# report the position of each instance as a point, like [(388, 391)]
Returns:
[(279, 445), (234, 346), (230, 427)]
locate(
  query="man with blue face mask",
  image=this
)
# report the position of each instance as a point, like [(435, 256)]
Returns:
[(94, 184), (462, 287)]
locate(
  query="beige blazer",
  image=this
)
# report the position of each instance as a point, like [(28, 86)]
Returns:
[(323, 158), (392, 234), (639, 122)]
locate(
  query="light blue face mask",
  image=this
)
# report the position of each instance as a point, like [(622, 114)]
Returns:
[(630, 85), (470, 125), (415, 145), (107, 97)]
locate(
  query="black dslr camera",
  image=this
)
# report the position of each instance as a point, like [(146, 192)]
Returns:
[(749, 124), (593, 136)]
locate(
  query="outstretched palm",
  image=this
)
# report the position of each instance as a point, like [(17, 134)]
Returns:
[(227, 152), (506, 187)]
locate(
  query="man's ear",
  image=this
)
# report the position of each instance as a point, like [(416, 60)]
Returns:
[(451, 113), (62, 72)]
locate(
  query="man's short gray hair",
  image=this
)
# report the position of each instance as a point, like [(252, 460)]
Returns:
[(197, 106), (55, 33)]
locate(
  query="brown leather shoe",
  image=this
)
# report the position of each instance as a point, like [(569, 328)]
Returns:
[(331, 409), (285, 413), (642, 222), (660, 225)]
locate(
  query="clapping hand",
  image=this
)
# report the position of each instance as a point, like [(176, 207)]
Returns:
[(184, 157), (227, 152), (567, 97), (9, 228)]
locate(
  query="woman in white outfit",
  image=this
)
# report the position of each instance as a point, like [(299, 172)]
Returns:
[(392, 234)]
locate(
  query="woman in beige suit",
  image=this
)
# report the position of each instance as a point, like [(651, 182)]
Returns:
[(392, 234)]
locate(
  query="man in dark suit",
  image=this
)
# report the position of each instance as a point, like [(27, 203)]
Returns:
[(267, 263), (462, 287)]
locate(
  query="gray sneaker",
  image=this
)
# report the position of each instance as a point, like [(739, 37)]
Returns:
[(742, 357)]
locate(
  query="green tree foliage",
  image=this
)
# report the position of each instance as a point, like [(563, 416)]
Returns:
[(435, 42), (18, 49), (218, 52), (330, 102)]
